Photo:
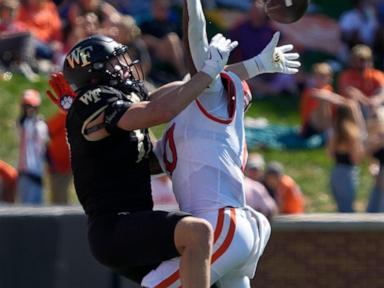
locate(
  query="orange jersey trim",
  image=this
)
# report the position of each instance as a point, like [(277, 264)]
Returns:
[(231, 103)]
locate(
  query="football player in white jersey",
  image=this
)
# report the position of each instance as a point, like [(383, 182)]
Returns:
[(204, 152)]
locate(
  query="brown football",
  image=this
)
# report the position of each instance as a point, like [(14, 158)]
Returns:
[(285, 11)]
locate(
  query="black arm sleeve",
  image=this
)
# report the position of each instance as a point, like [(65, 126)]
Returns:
[(113, 113)]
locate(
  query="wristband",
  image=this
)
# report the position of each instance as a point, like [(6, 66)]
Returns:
[(252, 67)]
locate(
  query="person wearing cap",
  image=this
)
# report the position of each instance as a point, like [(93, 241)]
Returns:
[(361, 81), (256, 193), (255, 167), (33, 137), (283, 189)]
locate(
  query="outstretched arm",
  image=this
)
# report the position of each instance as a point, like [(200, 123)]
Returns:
[(195, 35), (196, 44), (329, 96), (273, 59), (175, 97), (197, 50)]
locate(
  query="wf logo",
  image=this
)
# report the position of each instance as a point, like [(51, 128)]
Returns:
[(79, 56)]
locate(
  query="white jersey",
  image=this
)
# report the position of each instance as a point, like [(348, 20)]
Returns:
[(33, 141), (205, 153)]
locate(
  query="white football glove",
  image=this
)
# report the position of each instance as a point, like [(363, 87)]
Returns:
[(273, 59), (218, 54)]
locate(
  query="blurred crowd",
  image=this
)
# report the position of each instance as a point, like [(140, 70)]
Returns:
[(341, 96)]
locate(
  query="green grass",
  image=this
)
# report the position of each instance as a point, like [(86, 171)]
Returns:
[(310, 168)]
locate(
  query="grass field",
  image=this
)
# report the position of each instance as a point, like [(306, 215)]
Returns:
[(310, 168)]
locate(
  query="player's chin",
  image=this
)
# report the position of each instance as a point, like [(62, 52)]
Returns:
[(285, 11)]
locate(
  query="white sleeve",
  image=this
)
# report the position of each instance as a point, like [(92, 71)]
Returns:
[(198, 46), (197, 35)]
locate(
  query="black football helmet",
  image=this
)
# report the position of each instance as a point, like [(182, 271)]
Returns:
[(100, 60)]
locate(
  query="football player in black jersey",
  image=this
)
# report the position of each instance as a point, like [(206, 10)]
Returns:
[(107, 129)]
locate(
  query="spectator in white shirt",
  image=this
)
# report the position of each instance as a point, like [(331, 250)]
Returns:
[(33, 132)]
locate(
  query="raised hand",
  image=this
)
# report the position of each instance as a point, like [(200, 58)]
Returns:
[(64, 95), (277, 59), (218, 54), (273, 59)]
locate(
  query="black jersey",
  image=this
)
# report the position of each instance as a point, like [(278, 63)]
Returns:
[(111, 174)]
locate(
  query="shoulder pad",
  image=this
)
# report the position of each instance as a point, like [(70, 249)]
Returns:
[(94, 100)]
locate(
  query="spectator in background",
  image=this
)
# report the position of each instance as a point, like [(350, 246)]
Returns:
[(101, 8), (345, 146), (375, 149), (315, 114), (128, 33), (361, 81), (283, 189), (256, 194), (162, 37), (253, 35), (255, 167), (59, 166), (8, 178), (316, 103), (42, 19), (16, 46), (86, 25), (359, 24), (33, 134), (105, 13)]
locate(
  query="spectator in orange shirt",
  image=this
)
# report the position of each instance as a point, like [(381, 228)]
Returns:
[(283, 189), (316, 103), (8, 178), (43, 21), (60, 172), (361, 80)]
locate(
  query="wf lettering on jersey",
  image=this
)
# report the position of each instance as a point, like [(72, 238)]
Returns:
[(80, 57), (92, 96)]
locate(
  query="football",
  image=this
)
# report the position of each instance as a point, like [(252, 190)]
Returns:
[(285, 11)]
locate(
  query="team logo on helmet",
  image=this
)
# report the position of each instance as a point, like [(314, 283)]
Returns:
[(79, 56)]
